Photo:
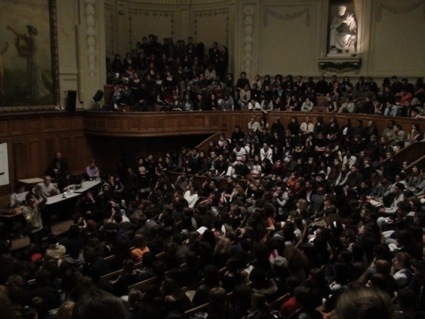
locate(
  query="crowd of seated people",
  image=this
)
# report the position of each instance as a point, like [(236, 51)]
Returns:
[(188, 77), (319, 213)]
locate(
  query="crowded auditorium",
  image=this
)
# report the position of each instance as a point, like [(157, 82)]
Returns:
[(220, 159)]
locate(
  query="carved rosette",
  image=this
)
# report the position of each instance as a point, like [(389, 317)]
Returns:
[(248, 38), (91, 37)]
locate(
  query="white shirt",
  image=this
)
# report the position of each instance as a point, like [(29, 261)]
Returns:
[(47, 191), (266, 154), (191, 198), (307, 127)]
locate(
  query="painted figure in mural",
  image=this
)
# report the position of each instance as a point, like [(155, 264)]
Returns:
[(343, 32), (26, 46)]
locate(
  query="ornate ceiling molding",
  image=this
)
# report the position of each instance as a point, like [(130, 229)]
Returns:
[(398, 9), (289, 16)]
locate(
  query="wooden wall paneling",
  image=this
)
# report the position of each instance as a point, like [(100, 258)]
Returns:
[(199, 122), (169, 123), (63, 123), (50, 125), (12, 173), (20, 160), (178, 124), (51, 147), (214, 121), (81, 154), (4, 128), (77, 122), (99, 123), (115, 125), (16, 127), (65, 147), (133, 125), (34, 125), (149, 124), (34, 158)]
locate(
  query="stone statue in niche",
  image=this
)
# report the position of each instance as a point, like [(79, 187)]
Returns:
[(343, 32)]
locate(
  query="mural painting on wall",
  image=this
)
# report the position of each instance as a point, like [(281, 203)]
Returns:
[(342, 37), (27, 53)]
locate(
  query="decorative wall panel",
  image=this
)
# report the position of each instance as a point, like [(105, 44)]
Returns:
[(395, 46), (286, 41), (146, 21), (211, 19)]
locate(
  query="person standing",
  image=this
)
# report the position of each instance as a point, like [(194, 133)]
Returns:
[(59, 170), (32, 214)]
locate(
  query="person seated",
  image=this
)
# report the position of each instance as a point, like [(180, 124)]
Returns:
[(55, 250), (46, 188), (92, 171), (253, 125), (307, 106), (401, 269), (253, 105), (391, 109), (306, 298), (226, 103), (128, 277), (99, 302), (307, 126), (363, 302), (11, 217), (140, 247), (347, 106), (244, 97), (17, 198), (260, 308)]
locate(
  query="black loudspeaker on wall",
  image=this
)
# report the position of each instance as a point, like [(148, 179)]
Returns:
[(71, 100), (98, 96)]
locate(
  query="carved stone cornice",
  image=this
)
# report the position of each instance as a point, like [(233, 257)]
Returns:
[(398, 9), (288, 16), (340, 64)]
